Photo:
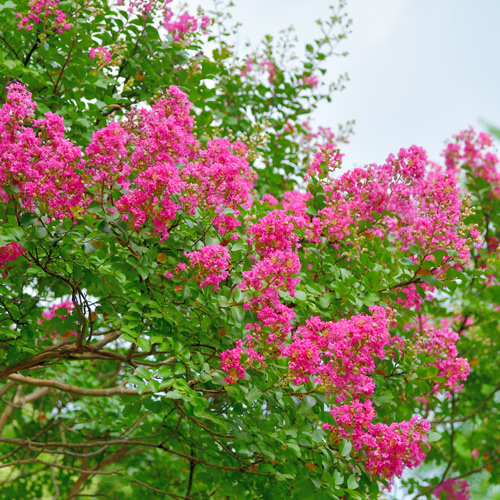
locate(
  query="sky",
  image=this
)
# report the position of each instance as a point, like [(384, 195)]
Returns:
[(420, 70)]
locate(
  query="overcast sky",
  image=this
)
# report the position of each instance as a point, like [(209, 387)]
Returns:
[(420, 70)]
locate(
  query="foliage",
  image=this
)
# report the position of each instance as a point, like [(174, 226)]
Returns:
[(198, 303)]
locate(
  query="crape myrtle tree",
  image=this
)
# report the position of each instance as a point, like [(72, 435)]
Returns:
[(197, 302)]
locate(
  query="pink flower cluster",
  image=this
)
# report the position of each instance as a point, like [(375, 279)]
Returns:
[(325, 161), (220, 178), (388, 448), (183, 25), (276, 272), (107, 159), (266, 66), (339, 356), (171, 169), (67, 304), (310, 81), (453, 489), (211, 262), (275, 231), (102, 54), (52, 312), (424, 208), (472, 150), (231, 363), (440, 343), (154, 156), (38, 159), (9, 253), (40, 11)]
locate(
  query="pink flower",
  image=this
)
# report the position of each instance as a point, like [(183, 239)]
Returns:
[(454, 489), (10, 253), (205, 22), (310, 81), (211, 262), (102, 54)]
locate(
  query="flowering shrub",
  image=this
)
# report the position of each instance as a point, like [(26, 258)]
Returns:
[(176, 318)]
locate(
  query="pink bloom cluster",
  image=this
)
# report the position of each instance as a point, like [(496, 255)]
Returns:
[(265, 66), (310, 81), (107, 158), (325, 161), (440, 343), (276, 271), (474, 151), (388, 448), (102, 54), (43, 165), (52, 312), (171, 168), (275, 231), (41, 10), (154, 156), (231, 364), (220, 178), (9, 253), (339, 356), (67, 304), (183, 25), (424, 208), (453, 489), (313, 142), (211, 262)]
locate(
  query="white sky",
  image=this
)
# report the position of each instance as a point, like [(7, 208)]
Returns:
[(420, 70)]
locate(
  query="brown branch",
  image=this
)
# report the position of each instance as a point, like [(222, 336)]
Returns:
[(156, 490), (63, 351), (53, 464), (68, 57), (10, 47), (19, 402), (472, 414), (35, 46), (108, 337), (74, 389), (35, 360), (120, 390), (131, 442), (7, 387), (114, 457)]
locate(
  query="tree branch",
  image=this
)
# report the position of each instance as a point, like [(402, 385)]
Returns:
[(472, 414), (74, 389)]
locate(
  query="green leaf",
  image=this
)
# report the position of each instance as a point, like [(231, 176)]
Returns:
[(89, 247), (173, 395), (352, 483), (345, 448), (432, 437), (406, 261)]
